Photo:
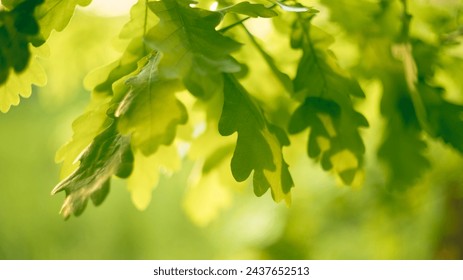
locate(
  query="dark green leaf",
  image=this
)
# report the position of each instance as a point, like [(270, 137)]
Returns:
[(327, 107), (259, 143), (403, 147), (100, 195), (16, 29), (282, 77), (445, 118)]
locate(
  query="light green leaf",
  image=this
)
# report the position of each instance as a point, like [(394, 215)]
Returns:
[(259, 143), (55, 14), (21, 84), (150, 112), (146, 171), (250, 9), (209, 193), (102, 79), (184, 37), (95, 119), (108, 153), (210, 184), (141, 20), (445, 118), (283, 78)]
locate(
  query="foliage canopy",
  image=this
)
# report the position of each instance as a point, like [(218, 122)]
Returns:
[(183, 80)]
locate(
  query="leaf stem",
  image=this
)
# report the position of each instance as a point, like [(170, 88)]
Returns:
[(145, 26), (228, 27), (311, 46)]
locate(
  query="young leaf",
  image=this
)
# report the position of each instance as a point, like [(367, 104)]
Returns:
[(150, 112), (20, 84), (55, 15), (210, 193), (146, 173), (104, 157), (282, 77), (327, 107), (259, 143), (445, 118), (141, 20), (184, 37), (250, 9)]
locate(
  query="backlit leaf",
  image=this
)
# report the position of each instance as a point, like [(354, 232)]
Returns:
[(55, 15), (250, 9), (184, 37), (85, 128), (102, 158), (259, 143), (150, 111), (21, 84), (146, 172), (141, 20), (327, 108)]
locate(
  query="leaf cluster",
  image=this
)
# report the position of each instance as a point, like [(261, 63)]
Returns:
[(180, 56)]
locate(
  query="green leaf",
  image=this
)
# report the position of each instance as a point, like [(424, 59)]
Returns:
[(150, 112), (283, 78), (9, 4), (445, 118), (327, 108), (146, 173), (184, 37), (17, 27), (102, 79), (102, 158), (20, 85), (141, 20), (259, 143), (403, 147), (55, 15), (109, 93), (250, 9)]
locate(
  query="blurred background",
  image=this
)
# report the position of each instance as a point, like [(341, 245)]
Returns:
[(325, 221)]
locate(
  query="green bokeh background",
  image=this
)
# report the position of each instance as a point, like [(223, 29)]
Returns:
[(324, 222)]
